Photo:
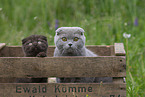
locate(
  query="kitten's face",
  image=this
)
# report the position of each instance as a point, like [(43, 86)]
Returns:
[(34, 44), (69, 41)]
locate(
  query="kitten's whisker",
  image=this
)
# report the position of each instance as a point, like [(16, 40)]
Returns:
[(62, 52)]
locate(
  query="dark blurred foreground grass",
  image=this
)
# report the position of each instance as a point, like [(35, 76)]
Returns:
[(104, 22)]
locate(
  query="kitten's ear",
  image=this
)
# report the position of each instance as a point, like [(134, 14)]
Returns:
[(24, 40), (81, 31), (58, 31), (44, 38)]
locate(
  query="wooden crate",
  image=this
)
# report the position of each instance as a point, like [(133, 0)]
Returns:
[(110, 63)]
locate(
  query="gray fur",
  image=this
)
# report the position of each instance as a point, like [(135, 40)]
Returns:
[(78, 47)]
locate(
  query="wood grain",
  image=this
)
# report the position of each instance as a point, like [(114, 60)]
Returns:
[(110, 63), (62, 90), (63, 67), (16, 51), (7, 80)]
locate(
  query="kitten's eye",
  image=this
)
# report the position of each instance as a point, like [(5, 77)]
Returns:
[(64, 39), (39, 42), (76, 39), (30, 44)]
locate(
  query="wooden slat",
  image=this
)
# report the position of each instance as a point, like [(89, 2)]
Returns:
[(101, 50), (16, 51), (63, 90), (7, 80), (2, 45), (63, 67), (119, 49)]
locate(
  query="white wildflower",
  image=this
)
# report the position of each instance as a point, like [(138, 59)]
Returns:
[(1, 9), (126, 35), (125, 24), (35, 17)]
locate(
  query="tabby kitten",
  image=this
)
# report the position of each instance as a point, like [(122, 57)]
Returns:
[(34, 46)]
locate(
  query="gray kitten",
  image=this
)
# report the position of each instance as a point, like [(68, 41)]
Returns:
[(70, 41)]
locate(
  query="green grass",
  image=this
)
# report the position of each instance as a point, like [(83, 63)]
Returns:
[(103, 20)]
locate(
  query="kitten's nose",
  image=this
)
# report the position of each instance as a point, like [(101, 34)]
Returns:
[(34, 43), (70, 44)]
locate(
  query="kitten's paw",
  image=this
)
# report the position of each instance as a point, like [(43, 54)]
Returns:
[(41, 54)]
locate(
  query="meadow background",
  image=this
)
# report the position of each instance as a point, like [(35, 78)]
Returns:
[(104, 22)]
